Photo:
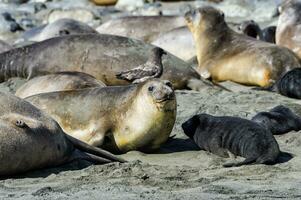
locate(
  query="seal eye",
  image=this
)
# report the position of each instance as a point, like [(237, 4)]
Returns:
[(151, 88)]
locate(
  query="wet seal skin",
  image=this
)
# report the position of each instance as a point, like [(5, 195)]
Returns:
[(101, 56), (119, 119), (226, 55), (60, 81), (241, 137), (279, 120), (288, 84), (153, 68), (30, 139)]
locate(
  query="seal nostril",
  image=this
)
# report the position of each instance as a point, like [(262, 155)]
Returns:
[(151, 88)]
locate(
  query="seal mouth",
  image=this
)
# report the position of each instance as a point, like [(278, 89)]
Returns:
[(164, 100)]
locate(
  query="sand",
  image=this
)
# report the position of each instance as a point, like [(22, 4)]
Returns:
[(179, 170)]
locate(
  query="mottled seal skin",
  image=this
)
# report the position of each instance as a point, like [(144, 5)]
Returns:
[(288, 33), (178, 41), (58, 28), (241, 137), (120, 118), (144, 28), (288, 85), (279, 120), (226, 55), (30, 139), (60, 81), (101, 56)]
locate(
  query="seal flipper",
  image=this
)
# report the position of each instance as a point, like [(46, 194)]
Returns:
[(198, 84), (247, 161), (93, 150), (79, 155)]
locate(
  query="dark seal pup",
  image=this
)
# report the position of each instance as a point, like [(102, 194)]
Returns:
[(287, 85), (239, 136), (279, 120)]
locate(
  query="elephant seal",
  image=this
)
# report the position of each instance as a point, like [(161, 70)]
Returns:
[(226, 55), (279, 120), (58, 82), (241, 137), (288, 28), (58, 28), (30, 139), (288, 84), (153, 68), (144, 28), (101, 56), (269, 34), (178, 41), (120, 118)]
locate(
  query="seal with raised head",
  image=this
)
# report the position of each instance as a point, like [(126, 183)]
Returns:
[(240, 137), (58, 28), (101, 56), (119, 118), (58, 82), (30, 139), (279, 120), (226, 55), (153, 68), (288, 32)]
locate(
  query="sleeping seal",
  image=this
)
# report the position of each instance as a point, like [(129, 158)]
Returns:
[(226, 55), (30, 139), (120, 118), (279, 120), (58, 82), (58, 28), (101, 56), (241, 137)]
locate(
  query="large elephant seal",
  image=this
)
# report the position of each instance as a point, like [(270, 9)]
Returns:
[(241, 137), (279, 120), (58, 82), (144, 28), (30, 139), (101, 56), (226, 55), (288, 32), (58, 28), (178, 41), (121, 118)]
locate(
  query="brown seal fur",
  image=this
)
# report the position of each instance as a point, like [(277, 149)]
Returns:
[(30, 139), (101, 56), (135, 117), (288, 32), (226, 55), (58, 82)]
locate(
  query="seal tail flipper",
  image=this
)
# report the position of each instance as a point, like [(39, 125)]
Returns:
[(269, 88), (93, 150), (198, 84), (79, 155), (247, 161)]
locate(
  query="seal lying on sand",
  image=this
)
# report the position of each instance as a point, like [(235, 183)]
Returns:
[(153, 68), (29, 140), (58, 82), (58, 28), (239, 136), (226, 55), (279, 120), (288, 33), (101, 56), (288, 84), (144, 28), (123, 118)]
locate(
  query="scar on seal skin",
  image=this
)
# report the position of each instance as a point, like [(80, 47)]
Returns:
[(279, 120), (241, 137)]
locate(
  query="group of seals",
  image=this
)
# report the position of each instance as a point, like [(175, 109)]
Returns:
[(239, 136), (31, 139), (120, 118), (226, 55)]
